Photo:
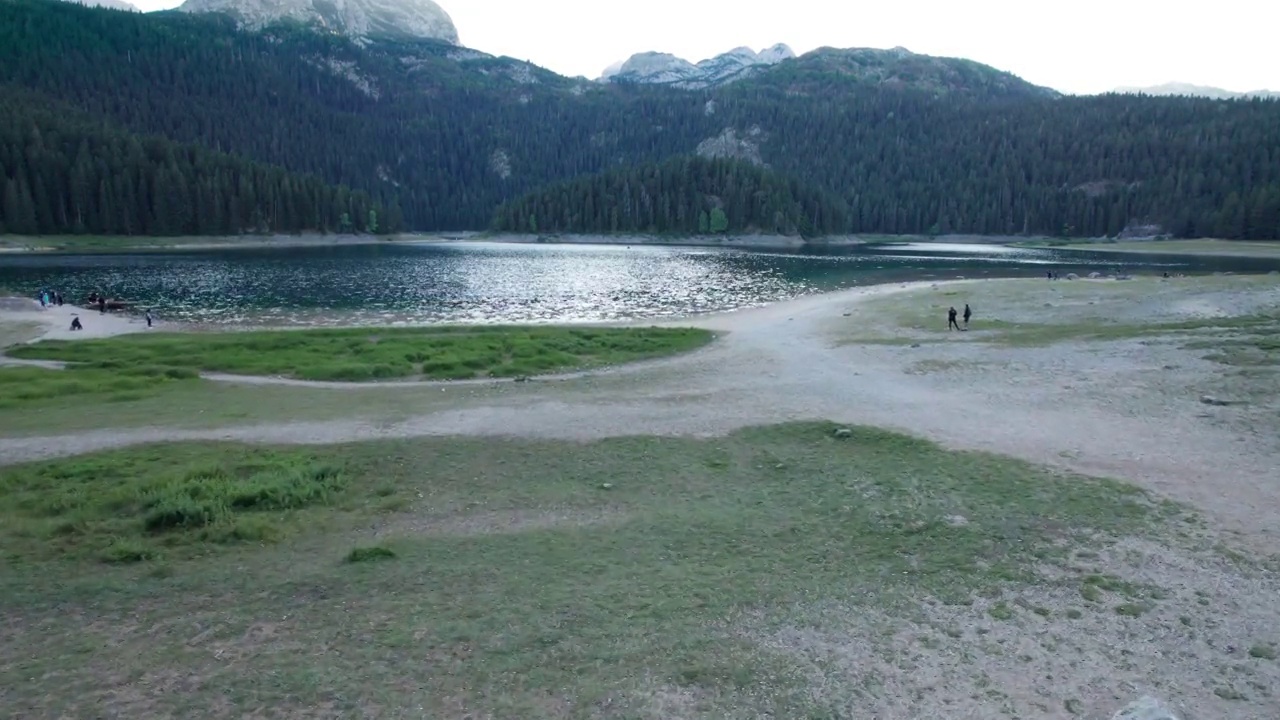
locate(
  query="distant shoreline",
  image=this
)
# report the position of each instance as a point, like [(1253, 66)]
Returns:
[(95, 245), (92, 245)]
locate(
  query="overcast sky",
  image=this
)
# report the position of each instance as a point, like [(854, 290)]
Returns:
[(1082, 46)]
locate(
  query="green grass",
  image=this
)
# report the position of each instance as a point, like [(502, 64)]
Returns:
[(142, 504), (30, 388), (520, 588), (366, 354)]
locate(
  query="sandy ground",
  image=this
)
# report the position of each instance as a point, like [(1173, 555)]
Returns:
[(1129, 409), (54, 323)]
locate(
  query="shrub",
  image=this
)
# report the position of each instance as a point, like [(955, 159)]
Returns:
[(127, 551), (370, 554)]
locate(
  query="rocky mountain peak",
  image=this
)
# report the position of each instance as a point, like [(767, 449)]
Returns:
[(422, 19), (667, 69)]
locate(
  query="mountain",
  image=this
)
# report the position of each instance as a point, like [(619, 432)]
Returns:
[(111, 4), (666, 69), (864, 67), (443, 135), (1189, 90), (354, 18), (898, 69)]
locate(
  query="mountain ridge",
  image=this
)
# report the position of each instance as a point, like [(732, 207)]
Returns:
[(1191, 90), (896, 66), (667, 69), (362, 19), (446, 134)]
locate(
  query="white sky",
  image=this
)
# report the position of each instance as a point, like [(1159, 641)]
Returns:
[(1081, 46)]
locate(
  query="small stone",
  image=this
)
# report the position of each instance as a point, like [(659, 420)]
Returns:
[(915, 345), (847, 314), (606, 486), (957, 520), (779, 466), (843, 433), (522, 378), (1211, 400)]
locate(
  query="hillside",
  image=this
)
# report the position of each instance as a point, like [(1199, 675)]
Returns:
[(62, 174), (684, 196), (447, 134)]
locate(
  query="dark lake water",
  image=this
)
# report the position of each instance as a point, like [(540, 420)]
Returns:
[(490, 282)]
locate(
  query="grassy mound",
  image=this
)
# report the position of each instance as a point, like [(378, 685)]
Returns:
[(366, 354)]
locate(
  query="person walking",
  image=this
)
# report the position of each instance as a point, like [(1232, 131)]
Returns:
[(967, 314), (148, 317), (951, 320)]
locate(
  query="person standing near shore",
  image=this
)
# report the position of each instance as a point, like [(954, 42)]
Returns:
[(967, 314), (951, 319), (148, 317)]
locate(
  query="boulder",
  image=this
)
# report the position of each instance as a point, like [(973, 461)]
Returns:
[(843, 433), (1072, 276), (1094, 275)]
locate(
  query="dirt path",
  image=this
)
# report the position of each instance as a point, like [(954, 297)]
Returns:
[(1083, 407)]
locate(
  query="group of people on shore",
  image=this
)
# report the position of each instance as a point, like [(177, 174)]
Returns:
[(951, 318), (53, 298), (50, 298)]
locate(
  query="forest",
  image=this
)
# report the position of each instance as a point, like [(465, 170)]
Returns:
[(680, 196), (441, 138), (67, 175)]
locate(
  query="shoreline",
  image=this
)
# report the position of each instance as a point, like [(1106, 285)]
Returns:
[(1254, 249), (54, 322), (93, 245), (70, 245)]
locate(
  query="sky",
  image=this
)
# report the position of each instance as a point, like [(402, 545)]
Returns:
[(1082, 46)]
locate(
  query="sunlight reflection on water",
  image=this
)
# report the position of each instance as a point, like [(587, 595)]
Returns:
[(500, 283)]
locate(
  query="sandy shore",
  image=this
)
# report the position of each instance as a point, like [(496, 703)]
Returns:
[(54, 322)]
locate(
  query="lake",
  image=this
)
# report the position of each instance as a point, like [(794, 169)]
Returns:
[(476, 282)]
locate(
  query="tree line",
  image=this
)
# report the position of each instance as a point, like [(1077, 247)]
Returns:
[(60, 174), (681, 196), (442, 142)]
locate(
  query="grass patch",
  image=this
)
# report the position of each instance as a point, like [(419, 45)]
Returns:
[(370, 554), (32, 387), (367, 354), (507, 597), (135, 505)]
